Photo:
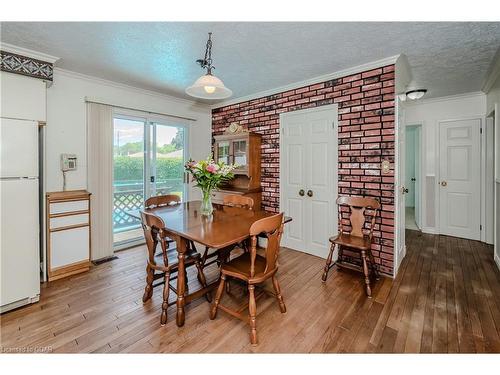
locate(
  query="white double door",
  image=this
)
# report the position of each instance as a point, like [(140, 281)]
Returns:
[(459, 178), (308, 178)]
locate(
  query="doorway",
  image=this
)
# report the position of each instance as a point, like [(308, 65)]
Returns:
[(148, 160), (413, 179), (308, 178)]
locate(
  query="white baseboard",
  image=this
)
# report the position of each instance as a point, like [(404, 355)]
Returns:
[(429, 230), (497, 261)]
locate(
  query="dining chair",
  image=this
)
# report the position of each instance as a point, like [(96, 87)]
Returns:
[(154, 233), (359, 239), (232, 200), (254, 269), (163, 201)]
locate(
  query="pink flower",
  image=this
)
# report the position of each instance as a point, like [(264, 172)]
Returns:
[(211, 168)]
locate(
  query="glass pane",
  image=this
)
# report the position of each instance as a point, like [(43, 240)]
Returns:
[(168, 162), (223, 152), (128, 178), (240, 153)]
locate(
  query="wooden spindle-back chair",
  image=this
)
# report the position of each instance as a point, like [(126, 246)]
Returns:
[(359, 238), (232, 200), (163, 201), (254, 269), (154, 233)]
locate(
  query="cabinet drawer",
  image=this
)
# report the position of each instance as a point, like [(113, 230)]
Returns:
[(69, 246), (63, 207), (65, 221)]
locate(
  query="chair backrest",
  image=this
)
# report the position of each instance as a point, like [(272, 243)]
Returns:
[(153, 227), (272, 228), (162, 200), (358, 206), (235, 200)]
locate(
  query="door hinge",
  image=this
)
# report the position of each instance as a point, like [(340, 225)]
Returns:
[(283, 131), (333, 125), (480, 227), (481, 130)]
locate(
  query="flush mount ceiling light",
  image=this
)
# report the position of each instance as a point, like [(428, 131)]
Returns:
[(415, 94), (208, 86)]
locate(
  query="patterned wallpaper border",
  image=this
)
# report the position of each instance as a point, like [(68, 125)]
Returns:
[(27, 66)]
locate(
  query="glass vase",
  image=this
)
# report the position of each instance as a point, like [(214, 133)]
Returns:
[(206, 204)]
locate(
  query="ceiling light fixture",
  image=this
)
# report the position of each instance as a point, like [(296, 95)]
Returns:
[(415, 94), (208, 86)]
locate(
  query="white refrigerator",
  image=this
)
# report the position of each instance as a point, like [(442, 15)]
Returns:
[(19, 220)]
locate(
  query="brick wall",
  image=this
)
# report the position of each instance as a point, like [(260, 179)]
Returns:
[(366, 137)]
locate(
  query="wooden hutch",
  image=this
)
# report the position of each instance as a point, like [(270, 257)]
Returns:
[(243, 148)]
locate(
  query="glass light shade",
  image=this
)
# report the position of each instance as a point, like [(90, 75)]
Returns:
[(415, 94), (209, 87)]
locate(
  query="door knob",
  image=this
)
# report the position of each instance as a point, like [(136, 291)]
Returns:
[(444, 183), (309, 193), (404, 190), (414, 179), (301, 192)]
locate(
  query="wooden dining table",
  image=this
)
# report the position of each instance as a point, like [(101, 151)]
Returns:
[(227, 226)]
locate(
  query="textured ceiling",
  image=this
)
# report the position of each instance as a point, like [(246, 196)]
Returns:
[(446, 58)]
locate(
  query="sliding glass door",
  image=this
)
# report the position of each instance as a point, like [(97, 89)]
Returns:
[(149, 157), (167, 160)]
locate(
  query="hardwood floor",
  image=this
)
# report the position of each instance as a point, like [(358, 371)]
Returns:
[(446, 299)]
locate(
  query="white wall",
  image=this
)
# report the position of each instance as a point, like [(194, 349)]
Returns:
[(410, 166), (492, 100), (493, 96), (66, 121), (430, 113)]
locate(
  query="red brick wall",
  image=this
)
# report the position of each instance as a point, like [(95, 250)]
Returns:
[(366, 137)]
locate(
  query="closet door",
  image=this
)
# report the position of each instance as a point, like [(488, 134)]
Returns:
[(308, 179)]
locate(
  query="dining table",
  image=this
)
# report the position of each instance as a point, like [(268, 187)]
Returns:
[(225, 227)]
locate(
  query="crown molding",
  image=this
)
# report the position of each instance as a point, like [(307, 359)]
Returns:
[(326, 77), (467, 95), (28, 53), (102, 81), (492, 74)]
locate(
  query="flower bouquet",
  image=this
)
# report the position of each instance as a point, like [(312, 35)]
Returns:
[(209, 175)]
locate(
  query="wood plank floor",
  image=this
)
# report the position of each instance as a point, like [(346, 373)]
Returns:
[(446, 299)]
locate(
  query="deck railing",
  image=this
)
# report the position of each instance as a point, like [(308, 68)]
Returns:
[(130, 196)]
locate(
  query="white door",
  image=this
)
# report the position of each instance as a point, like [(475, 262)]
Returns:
[(308, 178), (400, 189), (459, 173)]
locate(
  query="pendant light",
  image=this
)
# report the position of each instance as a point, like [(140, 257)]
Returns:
[(208, 86)]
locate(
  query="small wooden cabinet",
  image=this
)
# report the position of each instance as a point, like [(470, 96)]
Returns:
[(68, 233), (244, 149)]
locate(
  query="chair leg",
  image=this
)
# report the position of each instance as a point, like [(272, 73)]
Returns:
[(279, 297), (228, 285), (374, 265), (252, 309), (367, 274), (148, 291), (218, 296), (203, 280), (328, 263), (164, 306)]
